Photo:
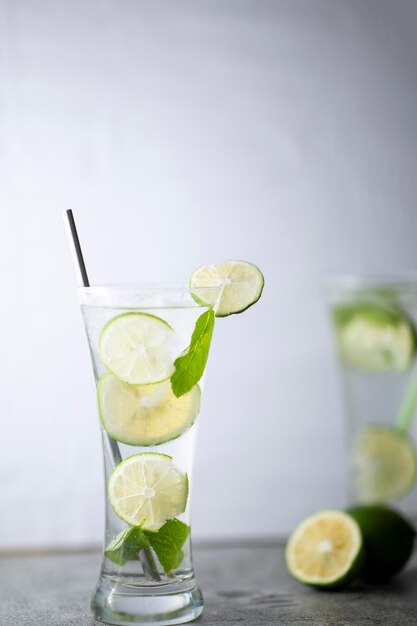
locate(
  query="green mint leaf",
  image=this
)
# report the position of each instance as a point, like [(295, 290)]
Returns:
[(125, 547), (189, 367), (167, 543)]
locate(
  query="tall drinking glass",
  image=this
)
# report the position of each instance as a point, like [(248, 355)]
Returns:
[(135, 334), (374, 322)]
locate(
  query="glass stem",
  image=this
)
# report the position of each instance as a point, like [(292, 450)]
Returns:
[(409, 406)]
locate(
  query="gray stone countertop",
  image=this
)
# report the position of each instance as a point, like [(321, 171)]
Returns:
[(242, 585)]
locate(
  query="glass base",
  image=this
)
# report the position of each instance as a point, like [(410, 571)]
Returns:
[(116, 602)]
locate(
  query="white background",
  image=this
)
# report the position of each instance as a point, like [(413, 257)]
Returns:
[(183, 133)]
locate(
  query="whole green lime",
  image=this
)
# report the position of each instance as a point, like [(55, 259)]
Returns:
[(388, 539)]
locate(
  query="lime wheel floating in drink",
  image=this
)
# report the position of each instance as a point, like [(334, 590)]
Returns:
[(137, 348), (384, 464), (374, 338), (145, 415), (147, 489)]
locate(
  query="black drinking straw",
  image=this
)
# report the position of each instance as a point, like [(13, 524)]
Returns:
[(145, 555), (73, 238)]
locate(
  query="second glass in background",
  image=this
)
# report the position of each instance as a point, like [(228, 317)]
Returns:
[(374, 323)]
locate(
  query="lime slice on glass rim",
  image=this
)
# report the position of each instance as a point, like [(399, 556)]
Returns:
[(137, 348), (147, 489), (240, 284), (384, 464), (145, 415), (374, 338), (325, 550)]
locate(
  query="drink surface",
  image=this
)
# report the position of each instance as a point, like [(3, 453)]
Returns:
[(151, 405)]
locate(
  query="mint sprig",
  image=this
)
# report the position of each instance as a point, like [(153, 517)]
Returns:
[(125, 547), (189, 367), (167, 544)]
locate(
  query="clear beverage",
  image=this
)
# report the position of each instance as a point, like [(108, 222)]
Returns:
[(378, 369), (141, 591)]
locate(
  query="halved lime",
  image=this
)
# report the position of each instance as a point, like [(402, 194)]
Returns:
[(373, 338), (388, 539), (145, 415), (325, 550), (240, 284), (384, 464), (137, 348), (147, 489)]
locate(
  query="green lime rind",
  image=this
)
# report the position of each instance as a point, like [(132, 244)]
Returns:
[(114, 321), (347, 573), (388, 538), (167, 543), (374, 338), (199, 287), (142, 440), (384, 463)]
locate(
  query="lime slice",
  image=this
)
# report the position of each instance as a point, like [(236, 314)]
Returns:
[(147, 489), (240, 286), (325, 550), (145, 415), (384, 464), (137, 348), (373, 338)]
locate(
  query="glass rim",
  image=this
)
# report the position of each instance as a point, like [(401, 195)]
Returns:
[(350, 281), (144, 287), (148, 296)]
